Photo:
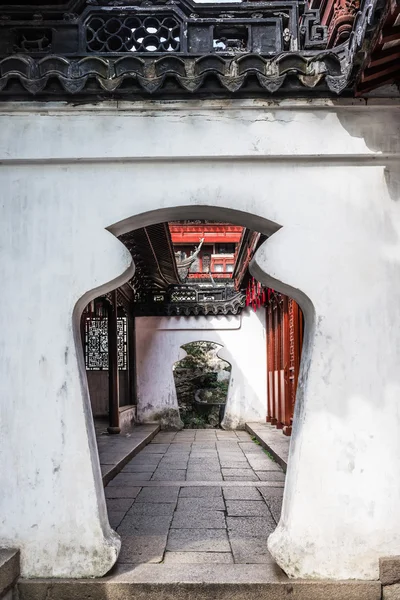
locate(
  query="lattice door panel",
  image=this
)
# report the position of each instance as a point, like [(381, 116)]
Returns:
[(96, 343)]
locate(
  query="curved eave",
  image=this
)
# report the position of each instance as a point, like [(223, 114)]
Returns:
[(61, 76)]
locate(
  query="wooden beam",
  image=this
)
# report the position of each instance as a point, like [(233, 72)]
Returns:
[(383, 58), (377, 74)]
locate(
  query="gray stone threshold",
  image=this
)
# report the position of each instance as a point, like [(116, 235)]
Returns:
[(197, 582), (272, 440), (115, 451), (275, 484)]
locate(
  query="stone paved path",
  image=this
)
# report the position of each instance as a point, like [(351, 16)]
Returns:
[(196, 496)]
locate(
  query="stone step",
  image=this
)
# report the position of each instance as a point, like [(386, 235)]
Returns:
[(9, 570), (116, 451), (196, 582), (272, 440)]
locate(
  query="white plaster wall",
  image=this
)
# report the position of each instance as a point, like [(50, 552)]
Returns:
[(158, 348), (323, 177)]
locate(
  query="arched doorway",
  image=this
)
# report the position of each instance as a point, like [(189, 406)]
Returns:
[(202, 382), (320, 250)]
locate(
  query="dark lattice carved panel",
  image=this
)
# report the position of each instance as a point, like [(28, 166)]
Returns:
[(183, 296), (122, 343), (142, 33), (96, 343)]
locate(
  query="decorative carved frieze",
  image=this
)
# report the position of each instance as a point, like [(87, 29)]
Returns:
[(190, 300), (178, 48), (130, 74)]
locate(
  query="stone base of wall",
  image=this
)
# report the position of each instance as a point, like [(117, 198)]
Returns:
[(389, 575), (127, 418)]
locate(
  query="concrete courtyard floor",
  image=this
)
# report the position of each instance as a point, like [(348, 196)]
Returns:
[(197, 497)]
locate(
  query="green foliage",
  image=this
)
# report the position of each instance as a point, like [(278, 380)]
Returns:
[(198, 372), (194, 421), (199, 350), (255, 440)]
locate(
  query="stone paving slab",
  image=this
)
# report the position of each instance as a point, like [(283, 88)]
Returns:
[(201, 504), (252, 477), (139, 510), (198, 469), (146, 525), (204, 476), (179, 447), (156, 448), (158, 495), (241, 493), (123, 504), (251, 551), (115, 517), (270, 475), (247, 508), (198, 540), (130, 478), (139, 468), (244, 527), (197, 558), (142, 548), (233, 463), (121, 491), (203, 519), (242, 472), (274, 500), (203, 509), (200, 492), (169, 474), (115, 451), (178, 462), (262, 463)]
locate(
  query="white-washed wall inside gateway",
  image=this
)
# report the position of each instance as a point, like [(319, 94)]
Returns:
[(159, 342)]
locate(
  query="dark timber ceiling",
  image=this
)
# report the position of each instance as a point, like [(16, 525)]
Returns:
[(153, 255)]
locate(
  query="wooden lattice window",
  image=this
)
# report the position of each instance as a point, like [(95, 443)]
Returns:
[(96, 343)]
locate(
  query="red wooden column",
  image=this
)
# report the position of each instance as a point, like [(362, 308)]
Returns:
[(270, 351), (287, 429), (273, 365), (298, 342), (279, 411), (113, 379), (284, 344)]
